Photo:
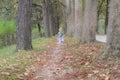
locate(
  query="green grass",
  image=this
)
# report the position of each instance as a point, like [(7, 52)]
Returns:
[(7, 27), (101, 26), (7, 51), (36, 33), (38, 44), (20, 60)]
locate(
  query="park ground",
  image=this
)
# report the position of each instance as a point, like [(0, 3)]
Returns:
[(52, 61)]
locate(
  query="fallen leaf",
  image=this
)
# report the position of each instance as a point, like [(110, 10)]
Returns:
[(5, 73), (95, 71), (26, 74), (40, 63), (89, 75), (107, 77)]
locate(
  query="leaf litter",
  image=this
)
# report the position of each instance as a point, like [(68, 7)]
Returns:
[(65, 62)]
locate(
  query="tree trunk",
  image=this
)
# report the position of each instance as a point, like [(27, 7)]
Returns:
[(24, 41), (98, 14), (71, 16), (56, 17), (45, 18), (107, 15), (78, 19), (50, 18), (5, 40), (75, 18), (112, 50), (90, 22)]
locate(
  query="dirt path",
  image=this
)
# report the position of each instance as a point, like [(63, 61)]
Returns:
[(61, 62), (54, 67)]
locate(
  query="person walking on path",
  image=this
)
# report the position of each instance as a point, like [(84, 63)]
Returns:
[(60, 36)]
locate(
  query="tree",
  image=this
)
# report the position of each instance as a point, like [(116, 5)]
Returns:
[(100, 11), (78, 19), (45, 18), (24, 41), (112, 49), (50, 17), (107, 15), (75, 17), (8, 9), (90, 21)]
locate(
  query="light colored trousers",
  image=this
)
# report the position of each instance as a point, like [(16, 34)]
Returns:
[(60, 39)]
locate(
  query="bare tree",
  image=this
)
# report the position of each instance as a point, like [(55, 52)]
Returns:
[(90, 21), (24, 41), (112, 49), (50, 17), (107, 15), (78, 19), (45, 18), (74, 18)]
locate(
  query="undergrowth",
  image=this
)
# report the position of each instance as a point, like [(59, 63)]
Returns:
[(13, 65)]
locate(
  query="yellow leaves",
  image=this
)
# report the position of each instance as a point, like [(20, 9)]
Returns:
[(15, 5)]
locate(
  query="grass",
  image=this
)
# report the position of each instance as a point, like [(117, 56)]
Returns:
[(7, 51), (13, 64), (39, 43), (101, 26), (36, 33), (7, 27)]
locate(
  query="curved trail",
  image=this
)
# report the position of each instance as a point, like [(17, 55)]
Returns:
[(54, 68), (55, 63)]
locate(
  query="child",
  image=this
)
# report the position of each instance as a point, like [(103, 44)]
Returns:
[(60, 35)]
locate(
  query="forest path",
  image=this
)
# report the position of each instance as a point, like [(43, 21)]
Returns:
[(101, 38), (65, 62), (52, 66)]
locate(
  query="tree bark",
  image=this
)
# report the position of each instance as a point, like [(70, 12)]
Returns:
[(50, 18), (112, 50), (74, 18), (98, 14), (78, 19), (45, 18), (24, 41), (70, 18), (90, 22), (107, 15)]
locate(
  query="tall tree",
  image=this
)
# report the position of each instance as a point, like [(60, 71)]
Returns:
[(113, 32), (24, 41), (107, 15), (90, 21), (70, 7), (45, 18), (50, 17), (99, 11), (78, 19), (75, 17)]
